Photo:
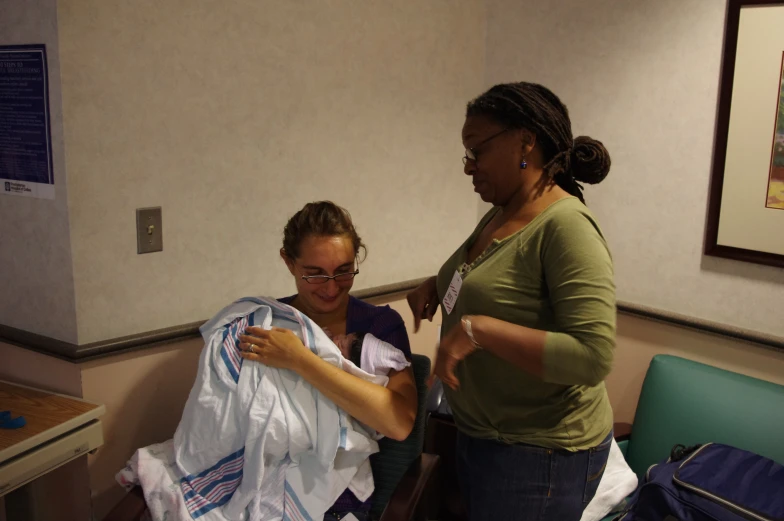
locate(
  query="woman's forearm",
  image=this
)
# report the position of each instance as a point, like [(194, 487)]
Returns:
[(521, 346), (562, 358), (389, 410)]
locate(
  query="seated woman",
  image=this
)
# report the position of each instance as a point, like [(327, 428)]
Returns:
[(259, 442), (321, 250)]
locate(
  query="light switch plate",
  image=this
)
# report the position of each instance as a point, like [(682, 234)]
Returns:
[(149, 230)]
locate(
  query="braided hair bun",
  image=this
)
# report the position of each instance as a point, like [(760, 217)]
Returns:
[(590, 161)]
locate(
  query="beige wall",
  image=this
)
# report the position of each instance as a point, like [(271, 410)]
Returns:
[(26, 367), (643, 77), (144, 394), (35, 249), (232, 115)]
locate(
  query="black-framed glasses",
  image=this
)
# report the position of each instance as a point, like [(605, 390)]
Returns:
[(323, 279), (470, 153)]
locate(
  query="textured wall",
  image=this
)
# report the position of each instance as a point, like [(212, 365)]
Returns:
[(232, 115), (35, 248)]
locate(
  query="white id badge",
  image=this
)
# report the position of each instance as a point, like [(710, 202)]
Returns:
[(451, 294)]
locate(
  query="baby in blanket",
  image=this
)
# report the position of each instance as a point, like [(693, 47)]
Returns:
[(370, 354), (154, 467)]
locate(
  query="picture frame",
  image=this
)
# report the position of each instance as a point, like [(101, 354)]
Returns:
[(745, 219)]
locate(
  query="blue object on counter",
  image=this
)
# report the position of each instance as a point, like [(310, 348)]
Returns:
[(6, 422)]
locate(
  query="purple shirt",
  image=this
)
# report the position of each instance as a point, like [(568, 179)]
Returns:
[(386, 324)]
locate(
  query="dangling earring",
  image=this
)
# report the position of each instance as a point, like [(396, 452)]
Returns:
[(523, 165)]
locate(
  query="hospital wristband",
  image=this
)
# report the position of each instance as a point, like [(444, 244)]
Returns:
[(466, 323)]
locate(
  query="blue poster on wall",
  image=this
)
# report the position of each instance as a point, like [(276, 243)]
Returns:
[(25, 136)]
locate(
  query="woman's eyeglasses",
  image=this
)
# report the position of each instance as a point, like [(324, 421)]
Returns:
[(323, 279), (470, 153)]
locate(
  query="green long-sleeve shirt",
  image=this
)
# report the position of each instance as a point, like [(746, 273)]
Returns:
[(554, 275)]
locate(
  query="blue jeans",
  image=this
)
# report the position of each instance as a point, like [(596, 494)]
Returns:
[(527, 483)]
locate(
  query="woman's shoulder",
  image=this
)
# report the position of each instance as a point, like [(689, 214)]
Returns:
[(568, 216), (361, 310), (382, 322), (568, 206)]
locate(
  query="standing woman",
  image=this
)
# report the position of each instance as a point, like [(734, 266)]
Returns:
[(528, 307)]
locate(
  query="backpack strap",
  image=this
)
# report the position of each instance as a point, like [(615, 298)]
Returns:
[(679, 452)]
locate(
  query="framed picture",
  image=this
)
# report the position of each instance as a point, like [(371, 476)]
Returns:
[(746, 203)]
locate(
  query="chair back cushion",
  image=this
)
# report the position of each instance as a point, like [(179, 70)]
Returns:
[(395, 457), (688, 403)]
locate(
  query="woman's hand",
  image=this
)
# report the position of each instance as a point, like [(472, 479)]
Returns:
[(454, 347), (423, 301), (276, 347)]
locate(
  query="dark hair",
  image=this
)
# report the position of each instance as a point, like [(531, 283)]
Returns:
[(356, 349), (321, 218), (535, 108)]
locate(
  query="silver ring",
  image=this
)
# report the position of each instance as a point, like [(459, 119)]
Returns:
[(253, 348)]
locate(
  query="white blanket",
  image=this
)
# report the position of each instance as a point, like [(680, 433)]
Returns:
[(154, 469), (617, 483), (256, 443)]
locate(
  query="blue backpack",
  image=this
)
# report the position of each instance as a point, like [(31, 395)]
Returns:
[(710, 482)]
